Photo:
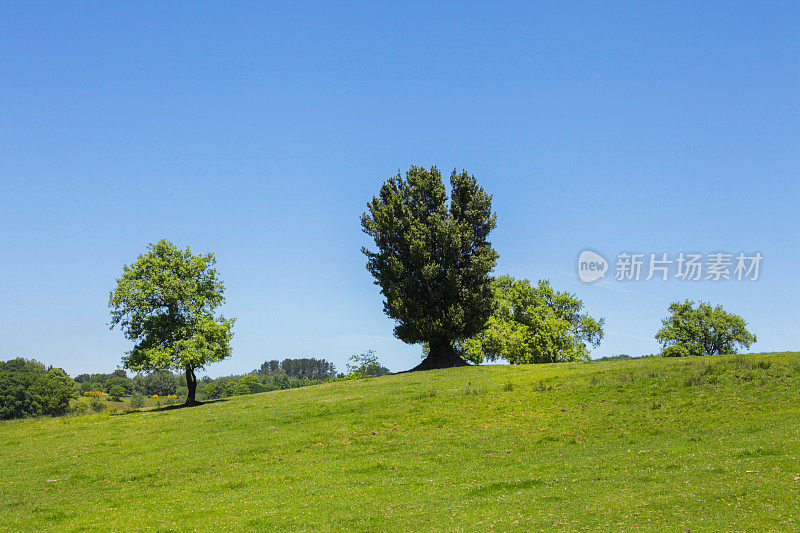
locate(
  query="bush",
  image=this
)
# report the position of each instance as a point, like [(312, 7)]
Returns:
[(96, 404), (676, 350), (137, 401)]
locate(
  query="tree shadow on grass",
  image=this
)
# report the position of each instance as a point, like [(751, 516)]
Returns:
[(169, 407)]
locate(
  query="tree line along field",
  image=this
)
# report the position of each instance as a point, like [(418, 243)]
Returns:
[(690, 443)]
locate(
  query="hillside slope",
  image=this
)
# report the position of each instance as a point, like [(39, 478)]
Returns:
[(676, 444)]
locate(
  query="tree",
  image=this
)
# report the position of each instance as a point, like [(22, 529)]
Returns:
[(303, 368), (166, 302), (432, 261), (270, 367), (124, 385), (533, 325), (702, 330), (28, 388), (249, 384), (116, 391), (366, 363), (160, 382)]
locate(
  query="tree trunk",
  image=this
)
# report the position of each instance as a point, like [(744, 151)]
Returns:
[(191, 383), (441, 355)]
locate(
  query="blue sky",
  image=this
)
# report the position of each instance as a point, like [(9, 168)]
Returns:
[(259, 131)]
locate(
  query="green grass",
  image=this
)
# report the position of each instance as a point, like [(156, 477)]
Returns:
[(650, 444), (124, 403)]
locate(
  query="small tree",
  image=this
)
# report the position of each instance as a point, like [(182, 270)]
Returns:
[(116, 391), (433, 260), (125, 385), (702, 330), (366, 363), (533, 325), (166, 303)]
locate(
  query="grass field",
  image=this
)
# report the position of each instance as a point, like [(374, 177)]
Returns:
[(124, 403), (650, 444)]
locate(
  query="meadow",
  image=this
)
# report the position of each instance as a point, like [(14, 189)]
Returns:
[(83, 403), (695, 443)]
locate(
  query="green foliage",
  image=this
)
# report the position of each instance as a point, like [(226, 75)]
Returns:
[(166, 302), (702, 330), (79, 409), (137, 401), (676, 350), (620, 357), (533, 325), (432, 261), (160, 382), (250, 384), (304, 368), (96, 404), (366, 363), (118, 387), (212, 391), (102, 382), (28, 388), (116, 391)]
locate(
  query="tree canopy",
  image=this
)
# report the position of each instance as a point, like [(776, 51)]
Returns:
[(533, 324), (702, 330), (366, 363), (432, 261), (304, 368), (28, 388), (166, 302)]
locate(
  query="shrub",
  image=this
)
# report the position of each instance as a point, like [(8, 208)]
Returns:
[(96, 404), (676, 350), (137, 401)]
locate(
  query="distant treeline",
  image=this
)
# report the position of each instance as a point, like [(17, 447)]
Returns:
[(29, 388), (304, 368)]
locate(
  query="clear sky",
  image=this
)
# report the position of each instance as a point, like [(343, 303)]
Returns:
[(259, 131)]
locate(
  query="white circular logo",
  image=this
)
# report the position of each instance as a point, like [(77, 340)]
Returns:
[(591, 266)]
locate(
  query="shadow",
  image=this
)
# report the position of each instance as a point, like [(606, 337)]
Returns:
[(426, 365), (169, 407)]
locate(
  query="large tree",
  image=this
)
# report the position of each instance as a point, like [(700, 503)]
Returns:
[(702, 330), (432, 261), (533, 324), (166, 303)]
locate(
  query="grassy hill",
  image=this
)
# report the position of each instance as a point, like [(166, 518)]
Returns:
[(658, 444)]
